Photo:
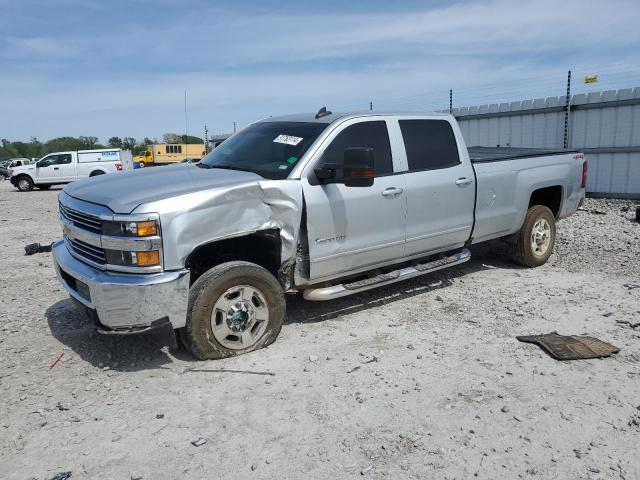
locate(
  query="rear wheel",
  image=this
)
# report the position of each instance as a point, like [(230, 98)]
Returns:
[(24, 184), (234, 308), (536, 238)]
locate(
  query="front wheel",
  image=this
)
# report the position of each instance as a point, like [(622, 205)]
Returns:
[(536, 238), (24, 184), (234, 308)]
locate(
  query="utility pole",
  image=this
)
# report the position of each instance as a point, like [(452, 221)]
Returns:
[(567, 111), (451, 100), (206, 140), (234, 127), (186, 140), (371, 106)]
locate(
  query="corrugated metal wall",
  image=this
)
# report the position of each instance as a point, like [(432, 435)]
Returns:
[(606, 125)]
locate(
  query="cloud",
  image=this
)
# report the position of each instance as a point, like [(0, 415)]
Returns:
[(115, 69)]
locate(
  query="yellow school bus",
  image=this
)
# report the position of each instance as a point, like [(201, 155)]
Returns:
[(163, 153)]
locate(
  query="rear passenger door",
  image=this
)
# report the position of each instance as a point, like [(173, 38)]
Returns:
[(352, 228), (440, 187)]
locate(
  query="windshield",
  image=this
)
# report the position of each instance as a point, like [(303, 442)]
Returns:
[(269, 149)]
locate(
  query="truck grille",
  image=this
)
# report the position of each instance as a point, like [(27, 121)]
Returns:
[(89, 252), (81, 220)]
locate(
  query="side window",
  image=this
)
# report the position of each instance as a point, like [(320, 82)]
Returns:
[(430, 144), (63, 159), (47, 161), (363, 134)]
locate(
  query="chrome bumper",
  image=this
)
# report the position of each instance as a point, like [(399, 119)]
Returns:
[(124, 302)]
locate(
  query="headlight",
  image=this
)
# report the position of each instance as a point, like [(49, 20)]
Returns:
[(148, 228), (150, 258)]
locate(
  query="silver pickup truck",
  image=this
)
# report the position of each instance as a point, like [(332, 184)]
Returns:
[(327, 204)]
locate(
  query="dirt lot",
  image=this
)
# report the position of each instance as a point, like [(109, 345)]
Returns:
[(423, 379)]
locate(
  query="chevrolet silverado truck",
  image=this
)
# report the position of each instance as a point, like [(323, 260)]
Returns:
[(327, 204), (65, 167)]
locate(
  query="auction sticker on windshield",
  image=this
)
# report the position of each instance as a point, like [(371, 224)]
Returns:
[(288, 139)]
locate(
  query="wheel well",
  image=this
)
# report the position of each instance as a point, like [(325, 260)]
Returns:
[(96, 172), (550, 197), (262, 248), (21, 175)]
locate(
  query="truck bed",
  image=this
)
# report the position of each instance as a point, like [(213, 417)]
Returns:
[(496, 154)]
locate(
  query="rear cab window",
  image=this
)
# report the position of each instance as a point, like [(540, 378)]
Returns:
[(429, 144), (370, 134)]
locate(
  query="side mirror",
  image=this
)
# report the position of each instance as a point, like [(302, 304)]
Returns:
[(356, 171)]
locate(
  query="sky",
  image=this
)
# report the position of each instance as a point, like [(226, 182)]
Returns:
[(116, 67)]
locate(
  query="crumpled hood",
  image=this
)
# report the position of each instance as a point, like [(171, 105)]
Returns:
[(122, 192)]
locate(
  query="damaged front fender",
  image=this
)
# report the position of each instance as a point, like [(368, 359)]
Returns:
[(194, 219)]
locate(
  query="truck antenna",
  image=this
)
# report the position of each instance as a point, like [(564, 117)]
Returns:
[(323, 112)]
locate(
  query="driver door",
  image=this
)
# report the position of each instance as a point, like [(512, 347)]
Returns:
[(353, 228), (47, 169)]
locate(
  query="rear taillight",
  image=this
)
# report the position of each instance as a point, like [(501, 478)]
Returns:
[(584, 175), (119, 167)]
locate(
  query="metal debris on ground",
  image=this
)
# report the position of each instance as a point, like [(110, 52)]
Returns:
[(57, 360), (627, 322), (631, 286), (198, 442), (36, 248), (570, 347), (61, 476)]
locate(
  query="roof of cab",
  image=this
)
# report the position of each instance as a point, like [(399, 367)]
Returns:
[(332, 117)]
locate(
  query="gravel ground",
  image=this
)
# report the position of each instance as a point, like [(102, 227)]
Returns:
[(423, 379)]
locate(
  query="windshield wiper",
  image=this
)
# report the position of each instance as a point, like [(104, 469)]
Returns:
[(229, 167), (203, 165)]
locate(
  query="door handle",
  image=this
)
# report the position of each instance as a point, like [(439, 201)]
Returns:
[(463, 181), (56, 168), (391, 192)]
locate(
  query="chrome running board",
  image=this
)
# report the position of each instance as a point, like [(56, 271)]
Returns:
[(344, 289)]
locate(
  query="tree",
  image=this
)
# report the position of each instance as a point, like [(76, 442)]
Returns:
[(171, 138), (191, 139), (128, 143), (115, 142), (89, 142)]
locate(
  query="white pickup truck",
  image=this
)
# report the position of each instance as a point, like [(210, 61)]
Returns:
[(327, 205), (65, 167)]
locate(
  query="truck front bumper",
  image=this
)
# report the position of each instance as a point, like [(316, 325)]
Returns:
[(124, 303)]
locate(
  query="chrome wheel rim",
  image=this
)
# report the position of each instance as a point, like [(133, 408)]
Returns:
[(540, 237), (23, 184), (240, 317)]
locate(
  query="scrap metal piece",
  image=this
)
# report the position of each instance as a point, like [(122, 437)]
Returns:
[(570, 347)]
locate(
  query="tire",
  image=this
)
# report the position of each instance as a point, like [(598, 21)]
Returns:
[(141, 165), (536, 238), (43, 187), (24, 183), (258, 311)]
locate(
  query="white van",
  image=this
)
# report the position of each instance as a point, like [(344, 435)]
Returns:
[(65, 167)]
